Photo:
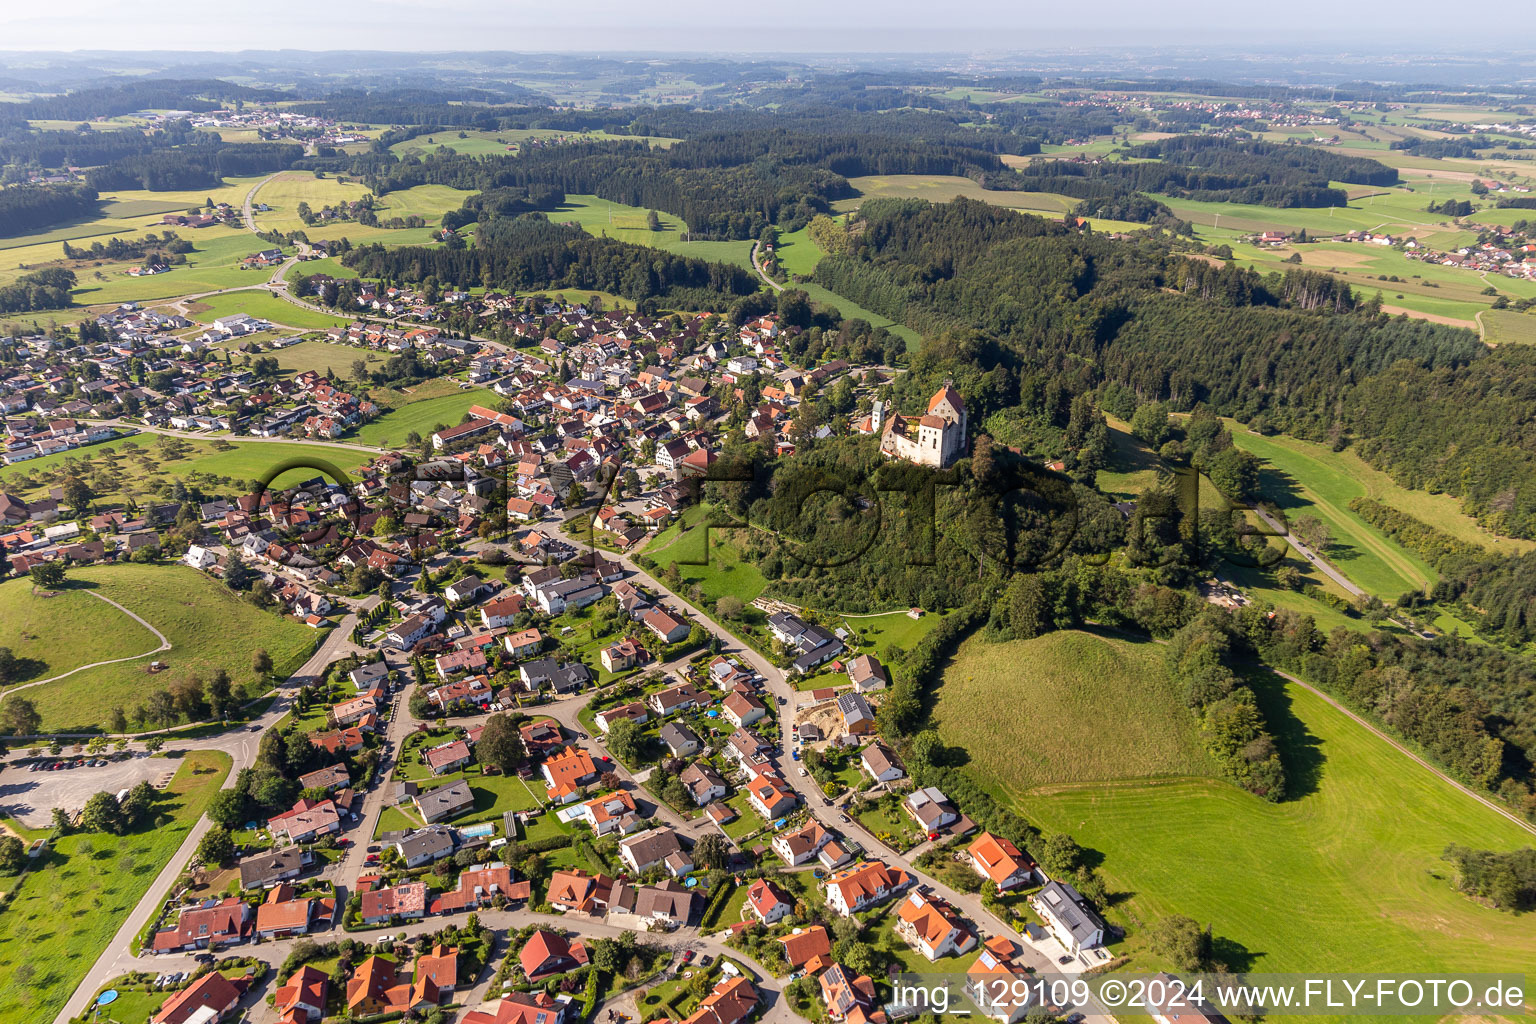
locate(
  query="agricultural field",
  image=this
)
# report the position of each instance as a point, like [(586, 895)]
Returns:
[(209, 627), (940, 188), (486, 143), (796, 252), (284, 193), (1507, 327), (260, 302), (1333, 478), (213, 264), (318, 356), (1083, 708), (389, 429), (1349, 868), (601, 217), (136, 467), (65, 910), (133, 210)]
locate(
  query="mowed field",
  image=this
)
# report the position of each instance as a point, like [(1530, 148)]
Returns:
[(134, 467), (284, 193), (66, 909), (1507, 327), (1346, 876), (940, 188), (390, 429), (209, 628), (1020, 711), (259, 302), (513, 140), (45, 632)]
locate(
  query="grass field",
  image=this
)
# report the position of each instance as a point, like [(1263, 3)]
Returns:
[(1333, 478), (726, 573), (284, 193), (209, 627), (852, 310), (261, 303), (938, 188), (797, 253), (133, 467), (57, 634), (133, 210), (389, 429), (1055, 687), (626, 223), (318, 356), (498, 143), (1507, 327), (1345, 877), (65, 912), (897, 628)]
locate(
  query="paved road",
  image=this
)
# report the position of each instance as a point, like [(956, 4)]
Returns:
[(165, 645), (250, 199), (1317, 561), (770, 282), (241, 745)]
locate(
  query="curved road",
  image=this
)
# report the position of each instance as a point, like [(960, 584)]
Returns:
[(165, 645), (770, 282)]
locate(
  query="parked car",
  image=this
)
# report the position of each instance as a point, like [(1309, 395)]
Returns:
[(1064, 959)]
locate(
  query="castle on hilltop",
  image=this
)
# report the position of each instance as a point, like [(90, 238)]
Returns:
[(936, 438)]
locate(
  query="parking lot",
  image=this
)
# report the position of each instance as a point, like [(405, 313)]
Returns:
[(30, 797)]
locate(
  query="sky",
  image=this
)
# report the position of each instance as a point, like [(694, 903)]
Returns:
[(777, 26)]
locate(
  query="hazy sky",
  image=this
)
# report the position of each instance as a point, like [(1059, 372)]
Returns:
[(779, 26)]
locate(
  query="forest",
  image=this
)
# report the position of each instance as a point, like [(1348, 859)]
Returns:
[(28, 208), (529, 253)]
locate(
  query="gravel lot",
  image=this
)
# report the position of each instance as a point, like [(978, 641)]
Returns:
[(30, 797)]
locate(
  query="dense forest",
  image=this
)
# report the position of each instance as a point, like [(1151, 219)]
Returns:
[(1427, 403), (529, 253), (28, 208)]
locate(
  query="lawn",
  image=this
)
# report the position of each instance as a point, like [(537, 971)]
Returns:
[(209, 627), (52, 635), (726, 573), (892, 628), (65, 912), (1082, 707), (260, 302), (1345, 877), (135, 467), (389, 429)]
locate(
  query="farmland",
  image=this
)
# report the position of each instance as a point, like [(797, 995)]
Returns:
[(284, 193), (1083, 707), (67, 908), (1359, 843), (487, 143), (626, 223), (1506, 327), (209, 627), (317, 356)]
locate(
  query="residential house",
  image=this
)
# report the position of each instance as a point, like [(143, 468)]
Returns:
[(770, 796), (931, 926), (858, 716), (564, 678), (866, 673), (444, 802), (659, 846), (880, 764), (282, 914), (847, 996), (424, 846), (546, 954), (205, 1000), (742, 709), (577, 891), (999, 987), (862, 886), (448, 757), (679, 739), (566, 773), (224, 923), (999, 862), (732, 1001), (635, 712), (930, 808), (267, 869), (378, 987), (301, 999), (811, 645), (1068, 917), (402, 902), (769, 903), (802, 844), (614, 812), (306, 821), (704, 783), (682, 697)]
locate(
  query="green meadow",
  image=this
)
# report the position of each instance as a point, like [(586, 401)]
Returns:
[(389, 429)]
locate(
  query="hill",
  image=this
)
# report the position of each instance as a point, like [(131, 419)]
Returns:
[(53, 635), (1077, 707), (209, 627), (1346, 876)]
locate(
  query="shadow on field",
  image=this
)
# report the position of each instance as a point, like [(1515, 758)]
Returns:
[(1279, 488), (1300, 751), (1231, 955)]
